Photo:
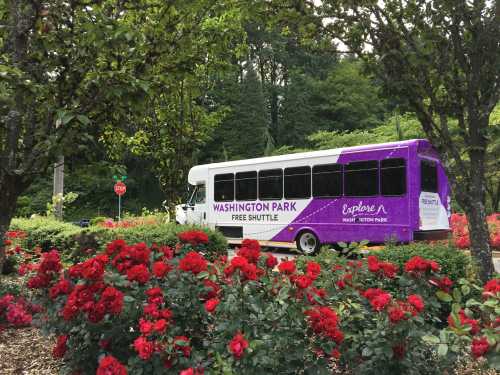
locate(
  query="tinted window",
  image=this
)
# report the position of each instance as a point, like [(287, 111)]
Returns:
[(428, 176), (361, 179), (393, 177), (200, 194), (271, 184), (224, 187), (246, 186), (297, 182), (327, 180)]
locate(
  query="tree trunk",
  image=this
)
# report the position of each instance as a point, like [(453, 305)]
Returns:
[(9, 193), (475, 209), (480, 239)]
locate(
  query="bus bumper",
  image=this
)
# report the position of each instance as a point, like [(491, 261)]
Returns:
[(431, 235)]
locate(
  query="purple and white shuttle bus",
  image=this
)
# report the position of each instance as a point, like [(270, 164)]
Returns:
[(396, 191)]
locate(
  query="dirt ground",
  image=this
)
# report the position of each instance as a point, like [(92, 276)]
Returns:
[(25, 351)]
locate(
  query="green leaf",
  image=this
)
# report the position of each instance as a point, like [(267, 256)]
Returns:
[(443, 296), (431, 339), (83, 119), (465, 290), (442, 350)]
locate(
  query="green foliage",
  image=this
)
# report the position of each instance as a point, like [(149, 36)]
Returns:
[(74, 241), (46, 233), (454, 262)]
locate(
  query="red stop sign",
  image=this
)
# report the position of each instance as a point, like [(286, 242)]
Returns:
[(120, 188)]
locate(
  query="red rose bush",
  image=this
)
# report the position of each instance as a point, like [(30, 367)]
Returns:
[(152, 309)]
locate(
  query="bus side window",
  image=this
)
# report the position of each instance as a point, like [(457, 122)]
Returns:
[(327, 180), (297, 182), (393, 177), (246, 186), (428, 176), (271, 184), (361, 178), (224, 187)]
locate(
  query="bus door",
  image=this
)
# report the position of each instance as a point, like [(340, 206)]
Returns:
[(197, 206), (434, 198)]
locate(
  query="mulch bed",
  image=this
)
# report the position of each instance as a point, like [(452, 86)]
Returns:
[(25, 351)]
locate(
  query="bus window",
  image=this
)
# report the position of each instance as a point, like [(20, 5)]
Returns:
[(297, 182), (246, 186), (199, 197), (271, 184), (361, 178), (393, 177), (428, 176), (327, 180), (224, 187)]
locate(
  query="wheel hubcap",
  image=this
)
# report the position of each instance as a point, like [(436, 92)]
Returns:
[(308, 242)]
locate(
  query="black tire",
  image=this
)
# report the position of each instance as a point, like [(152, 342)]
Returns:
[(307, 242)]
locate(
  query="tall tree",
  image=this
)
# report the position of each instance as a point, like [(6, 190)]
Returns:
[(70, 67), (441, 58)]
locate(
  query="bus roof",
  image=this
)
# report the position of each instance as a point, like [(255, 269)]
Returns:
[(200, 172)]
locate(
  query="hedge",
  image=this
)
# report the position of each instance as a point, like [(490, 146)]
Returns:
[(454, 262), (72, 240)]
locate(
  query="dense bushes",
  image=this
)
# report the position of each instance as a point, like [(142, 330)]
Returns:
[(143, 310), (48, 233), (454, 263)]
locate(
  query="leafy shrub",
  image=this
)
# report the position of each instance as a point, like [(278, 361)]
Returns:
[(141, 308), (97, 220), (46, 233), (454, 263)]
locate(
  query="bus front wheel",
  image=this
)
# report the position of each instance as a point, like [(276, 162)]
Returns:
[(307, 242)]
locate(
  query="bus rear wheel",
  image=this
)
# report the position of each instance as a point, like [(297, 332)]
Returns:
[(307, 242)]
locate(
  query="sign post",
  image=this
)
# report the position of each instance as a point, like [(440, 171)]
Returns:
[(120, 189)]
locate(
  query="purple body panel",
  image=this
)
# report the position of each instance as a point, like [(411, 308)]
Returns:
[(378, 218)]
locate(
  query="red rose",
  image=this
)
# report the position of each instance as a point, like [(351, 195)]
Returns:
[(160, 269), (479, 347), (160, 325), (238, 345), (416, 301), (109, 365), (381, 301), (63, 286), (211, 304), (143, 347), (193, 237), (115, 247), (138, 273), (252, 254), (155, 295), (313, 270), (396, 314), (193, 262), (60, 347), (145, 327), (271, 261), (112, 299), (192, 371), (287, 267), (302, 281)]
